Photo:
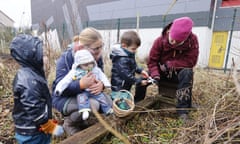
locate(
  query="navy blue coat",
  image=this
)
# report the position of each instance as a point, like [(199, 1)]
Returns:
[(124, 68), (32, 99), (63, 66)]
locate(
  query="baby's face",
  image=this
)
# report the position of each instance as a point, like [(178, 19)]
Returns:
[(87, 66)]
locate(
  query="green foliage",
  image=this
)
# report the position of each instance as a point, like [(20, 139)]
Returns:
[(149, 128), (116, 141), (166, 129)]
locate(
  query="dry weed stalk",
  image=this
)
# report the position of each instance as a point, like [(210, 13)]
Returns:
[(217, 121), (220, 124), (109, 128)]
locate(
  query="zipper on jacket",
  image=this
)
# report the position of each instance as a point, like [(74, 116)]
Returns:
[(174, 53), (123, 83)]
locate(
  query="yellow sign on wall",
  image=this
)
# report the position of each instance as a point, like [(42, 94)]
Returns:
[(218, 49)]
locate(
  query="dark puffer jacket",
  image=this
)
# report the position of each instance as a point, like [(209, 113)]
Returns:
[(32, 100), (124, 68)]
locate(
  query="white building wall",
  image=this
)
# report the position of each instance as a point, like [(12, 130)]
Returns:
[(204, 35), (5, 20), (234, 51)]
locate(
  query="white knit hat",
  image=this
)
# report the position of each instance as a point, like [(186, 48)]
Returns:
[(83, 57)]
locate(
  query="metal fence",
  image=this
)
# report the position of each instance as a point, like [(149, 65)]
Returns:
[(226, 20)]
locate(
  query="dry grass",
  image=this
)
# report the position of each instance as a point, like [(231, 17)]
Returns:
[(215, 121), (218, 114), (7, 69)]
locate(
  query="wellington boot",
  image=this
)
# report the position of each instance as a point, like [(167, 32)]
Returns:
[(70, 127)]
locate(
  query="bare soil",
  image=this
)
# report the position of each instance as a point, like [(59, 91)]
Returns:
[(215, 121)]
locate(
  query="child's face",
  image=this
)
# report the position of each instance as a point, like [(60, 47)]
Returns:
[(87, 66), (132, 48), (174, 42)]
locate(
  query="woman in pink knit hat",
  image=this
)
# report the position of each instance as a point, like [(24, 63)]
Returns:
[(172, 58)]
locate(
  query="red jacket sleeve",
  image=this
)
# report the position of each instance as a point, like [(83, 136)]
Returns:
[(154, 58)]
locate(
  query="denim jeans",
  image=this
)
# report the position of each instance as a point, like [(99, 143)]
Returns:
[(83, 101), (184, 80), (40, 138)]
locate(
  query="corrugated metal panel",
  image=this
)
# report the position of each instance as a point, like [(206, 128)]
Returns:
[(130, 8), (103, 14), (224, 18), (42, 10), (200, 19)]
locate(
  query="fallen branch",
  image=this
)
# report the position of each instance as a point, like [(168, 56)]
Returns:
[(95, 132)]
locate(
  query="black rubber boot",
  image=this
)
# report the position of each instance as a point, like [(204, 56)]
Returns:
[(71, 123)]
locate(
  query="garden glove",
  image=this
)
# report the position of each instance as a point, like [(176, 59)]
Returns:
[(51, 127)]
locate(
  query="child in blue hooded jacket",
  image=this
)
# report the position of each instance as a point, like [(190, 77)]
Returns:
[(124, 67), (32, 111)]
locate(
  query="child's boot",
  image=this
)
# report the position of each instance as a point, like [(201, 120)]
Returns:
[(70, 126), (85, 115)]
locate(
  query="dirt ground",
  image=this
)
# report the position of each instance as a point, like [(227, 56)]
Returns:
[(7, 68), (215, 121)]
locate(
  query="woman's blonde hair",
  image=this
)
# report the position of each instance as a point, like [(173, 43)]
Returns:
[(89, 35), (76, 38)]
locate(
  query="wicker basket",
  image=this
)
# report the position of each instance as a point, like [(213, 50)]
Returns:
[(120, 112)]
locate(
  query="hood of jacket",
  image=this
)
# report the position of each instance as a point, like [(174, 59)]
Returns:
[(28, 52), (118, 51)]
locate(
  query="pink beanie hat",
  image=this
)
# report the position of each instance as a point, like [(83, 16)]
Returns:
[(181, 28)]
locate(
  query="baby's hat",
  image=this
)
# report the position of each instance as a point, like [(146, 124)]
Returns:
[(181, 28), (82, 57)]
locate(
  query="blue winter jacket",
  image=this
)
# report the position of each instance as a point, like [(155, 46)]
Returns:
[(124, 68), (63, 66), (32, 99)]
